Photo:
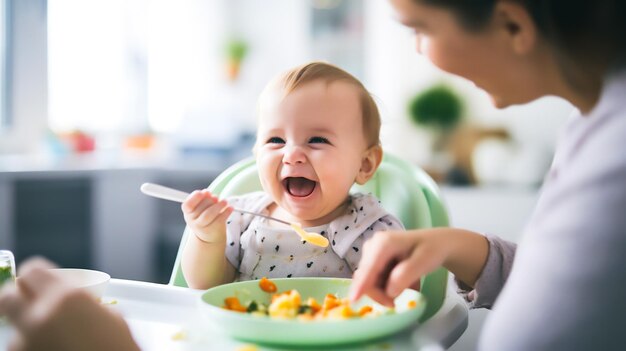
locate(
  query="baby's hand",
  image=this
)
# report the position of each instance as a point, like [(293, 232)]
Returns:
[(206, 215)]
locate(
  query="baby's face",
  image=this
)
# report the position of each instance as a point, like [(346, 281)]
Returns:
[(310, 148)]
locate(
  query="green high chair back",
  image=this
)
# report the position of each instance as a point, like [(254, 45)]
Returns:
[(404, 190)]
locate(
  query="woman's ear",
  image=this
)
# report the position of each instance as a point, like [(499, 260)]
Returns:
[(369, 164), (517, 25)]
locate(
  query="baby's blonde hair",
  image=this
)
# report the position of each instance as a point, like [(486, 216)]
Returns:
[(314, 71)]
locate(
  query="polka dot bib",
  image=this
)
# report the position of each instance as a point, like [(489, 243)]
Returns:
[(257, 249)]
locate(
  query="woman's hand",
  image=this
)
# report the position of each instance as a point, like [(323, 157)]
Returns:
[(393, 261), (206, 215), (49, 315)]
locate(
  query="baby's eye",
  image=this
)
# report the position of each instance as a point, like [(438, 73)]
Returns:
[(318, 140), (275, 140)]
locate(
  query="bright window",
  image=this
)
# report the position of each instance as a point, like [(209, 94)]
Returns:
[(4, 63), (129, 66), (96, 65)]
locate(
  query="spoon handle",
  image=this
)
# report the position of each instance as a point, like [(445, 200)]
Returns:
[(261, 215), (163, 192)]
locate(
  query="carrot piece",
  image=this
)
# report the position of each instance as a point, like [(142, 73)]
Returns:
[(365, 310), (339, 312), (315, 306), (267, 285), (330, 302), (232, 303)]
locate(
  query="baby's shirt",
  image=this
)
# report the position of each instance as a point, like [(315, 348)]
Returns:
[(258, 250)]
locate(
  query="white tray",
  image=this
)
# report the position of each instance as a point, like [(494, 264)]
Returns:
[(163, 317)]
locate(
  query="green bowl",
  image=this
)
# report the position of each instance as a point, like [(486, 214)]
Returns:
[(261, 329)]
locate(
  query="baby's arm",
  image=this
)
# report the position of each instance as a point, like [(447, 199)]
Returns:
[(204, 262)]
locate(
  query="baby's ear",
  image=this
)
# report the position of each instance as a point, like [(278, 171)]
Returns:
[(369, 164)]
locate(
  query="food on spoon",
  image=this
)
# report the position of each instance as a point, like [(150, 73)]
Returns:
[(248, 347), (312, 238), (179, 335)]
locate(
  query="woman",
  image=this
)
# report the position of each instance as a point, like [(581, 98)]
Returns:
[(564, 287), (567, 287)]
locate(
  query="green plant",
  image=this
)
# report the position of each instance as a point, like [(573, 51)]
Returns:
[(236, 50), (438, 108)]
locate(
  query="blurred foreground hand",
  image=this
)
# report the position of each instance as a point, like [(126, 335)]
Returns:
[(47, 314)]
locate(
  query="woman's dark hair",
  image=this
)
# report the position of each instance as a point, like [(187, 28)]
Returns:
[(584, 31)]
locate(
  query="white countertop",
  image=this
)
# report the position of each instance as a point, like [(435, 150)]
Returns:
[(92, 162)]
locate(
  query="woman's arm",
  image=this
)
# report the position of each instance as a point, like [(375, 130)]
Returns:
[(483, 293), (395, 260)]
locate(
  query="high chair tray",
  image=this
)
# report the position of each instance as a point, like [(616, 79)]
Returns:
[(163, 317)]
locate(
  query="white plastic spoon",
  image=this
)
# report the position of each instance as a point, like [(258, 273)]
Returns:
[(163, 192)]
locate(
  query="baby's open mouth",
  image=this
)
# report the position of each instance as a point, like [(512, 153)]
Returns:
[(299, 186)]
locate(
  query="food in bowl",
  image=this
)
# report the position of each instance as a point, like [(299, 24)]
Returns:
[(290, 305), (259, 327)]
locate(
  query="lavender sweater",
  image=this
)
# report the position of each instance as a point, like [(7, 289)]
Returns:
[(566, 281)]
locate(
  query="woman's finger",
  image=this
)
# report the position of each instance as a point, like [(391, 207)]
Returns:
[(377, 291), (409, 271), (378, 295), (424, 259), (367, 273), (377, 254)]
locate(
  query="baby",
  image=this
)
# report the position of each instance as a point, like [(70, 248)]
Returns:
[(318, 134)]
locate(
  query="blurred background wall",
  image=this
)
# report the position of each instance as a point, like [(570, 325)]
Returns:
[(97, 97)]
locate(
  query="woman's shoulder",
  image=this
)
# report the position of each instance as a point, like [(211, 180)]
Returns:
[(594, 138), (613, 92)]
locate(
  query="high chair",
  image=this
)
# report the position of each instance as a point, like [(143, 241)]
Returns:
[(404, 190)]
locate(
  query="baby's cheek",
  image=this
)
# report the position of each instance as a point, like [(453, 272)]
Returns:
[(268, 183)]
